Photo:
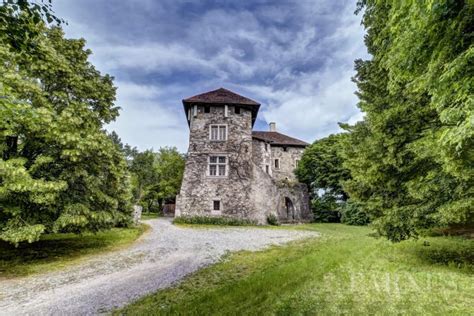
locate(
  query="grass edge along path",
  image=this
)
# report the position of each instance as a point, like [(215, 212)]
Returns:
[(57, 251), (344, 272)]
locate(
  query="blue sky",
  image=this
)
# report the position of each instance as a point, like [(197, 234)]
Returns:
[(294, 57)]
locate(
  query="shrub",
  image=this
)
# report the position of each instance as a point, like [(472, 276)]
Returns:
[(213, 220), (354, 214), (325, 209), (272, 219)]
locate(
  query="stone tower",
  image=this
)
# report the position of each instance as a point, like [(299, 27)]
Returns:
[(229, 168)]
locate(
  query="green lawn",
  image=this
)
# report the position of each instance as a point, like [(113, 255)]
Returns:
[(150, 215), (59, 250), (344, 272)]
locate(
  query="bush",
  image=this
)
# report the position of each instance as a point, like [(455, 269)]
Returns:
[(354, 214), (213, 220), (325, 209), (272, 219)]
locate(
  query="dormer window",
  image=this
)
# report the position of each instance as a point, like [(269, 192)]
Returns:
[(218, 132)]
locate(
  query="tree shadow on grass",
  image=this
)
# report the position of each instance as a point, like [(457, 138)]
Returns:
[(55, 250), (454, 252)]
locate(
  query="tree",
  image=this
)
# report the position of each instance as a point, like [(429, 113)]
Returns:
[(59, 171), (411, 159), (170, 166), (144, 173), (157, 176), (321, 168)]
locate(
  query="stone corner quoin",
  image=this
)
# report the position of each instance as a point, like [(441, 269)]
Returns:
[(236, 172)]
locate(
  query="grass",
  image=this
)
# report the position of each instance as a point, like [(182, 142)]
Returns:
[(149, 215), (344, 272), (55, 251)]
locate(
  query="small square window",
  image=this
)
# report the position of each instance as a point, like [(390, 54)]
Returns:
[(207, 109), (277, 163), (216, 205), (285, 149)]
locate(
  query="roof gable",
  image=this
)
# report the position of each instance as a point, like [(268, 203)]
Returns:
[(221, 96), (278, 139)]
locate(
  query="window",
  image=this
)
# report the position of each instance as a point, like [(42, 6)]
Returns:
[(207, 109), (267, 168), (266, 147), (237, 110), (218, 132), (216, 205), (217, 166), (285, 149), (226, 111), (277, 163)]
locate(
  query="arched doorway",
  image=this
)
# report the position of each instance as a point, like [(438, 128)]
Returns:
[(290, 209)]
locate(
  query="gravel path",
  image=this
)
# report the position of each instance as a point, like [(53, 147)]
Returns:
[(162, 256)]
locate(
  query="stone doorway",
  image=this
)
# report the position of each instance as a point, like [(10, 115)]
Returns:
[(290, 209)]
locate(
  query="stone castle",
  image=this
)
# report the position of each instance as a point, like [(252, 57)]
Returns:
[(233, 171)]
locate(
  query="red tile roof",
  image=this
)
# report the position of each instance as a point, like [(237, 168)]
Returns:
[(221, 96), (278, 139)]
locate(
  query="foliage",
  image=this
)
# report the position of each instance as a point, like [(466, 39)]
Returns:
[(352, 213), (411, 158), (144, 173), (272, 219), (58, 169), (156, 176), (344, 272), (321, 168), (55, 251), (170, 166), (213, 220), (16, 17), (326, 209)]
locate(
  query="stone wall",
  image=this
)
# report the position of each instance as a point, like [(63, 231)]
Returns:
[(247, 191), (262, 155), (287, 159), (199, 190)]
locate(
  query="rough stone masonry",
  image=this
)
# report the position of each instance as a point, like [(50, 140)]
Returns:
[(233, 171)]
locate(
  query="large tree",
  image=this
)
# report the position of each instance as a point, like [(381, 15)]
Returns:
[(59, 171), (411, 158)]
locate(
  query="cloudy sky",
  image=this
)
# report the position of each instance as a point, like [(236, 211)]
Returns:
[(294, 57)]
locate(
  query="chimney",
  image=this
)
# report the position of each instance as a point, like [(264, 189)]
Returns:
[(272, 127)]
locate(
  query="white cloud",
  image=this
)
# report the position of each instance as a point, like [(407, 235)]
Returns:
[(295, 58), (146, 123)]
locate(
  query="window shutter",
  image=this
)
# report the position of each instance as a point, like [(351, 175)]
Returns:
[(226, 110)]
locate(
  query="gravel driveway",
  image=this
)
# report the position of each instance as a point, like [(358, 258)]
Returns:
[(162, 256)]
